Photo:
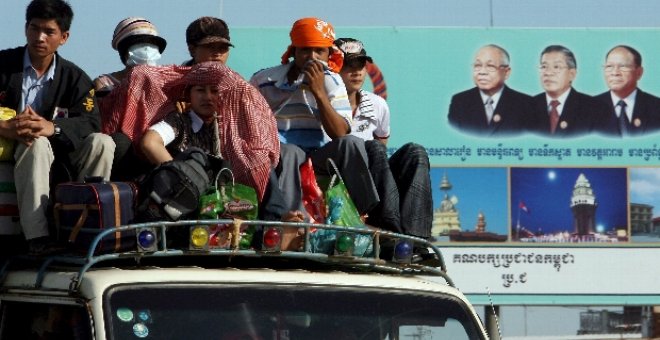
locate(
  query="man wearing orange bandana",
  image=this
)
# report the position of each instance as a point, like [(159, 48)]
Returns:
[(313, 114)]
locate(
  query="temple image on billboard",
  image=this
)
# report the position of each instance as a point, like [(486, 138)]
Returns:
[(478, 235), (445, 218), (583, 208)]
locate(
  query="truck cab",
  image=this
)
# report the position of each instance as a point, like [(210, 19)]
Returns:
[(155, 291)]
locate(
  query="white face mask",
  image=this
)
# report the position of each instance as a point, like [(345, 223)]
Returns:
[(143, 54)]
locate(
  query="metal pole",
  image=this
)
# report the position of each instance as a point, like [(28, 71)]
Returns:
[(492, 313)]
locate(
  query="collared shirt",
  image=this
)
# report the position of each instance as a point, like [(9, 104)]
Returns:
[(372, 118), (34, 88), (630, 104), (181, 131), (561, 99), (294, 106), (495, 97)]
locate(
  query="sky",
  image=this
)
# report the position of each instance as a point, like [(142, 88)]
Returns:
[(645, 187), (94, 21), (534, 187)]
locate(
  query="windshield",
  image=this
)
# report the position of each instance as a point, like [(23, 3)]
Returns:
[(282, 312)]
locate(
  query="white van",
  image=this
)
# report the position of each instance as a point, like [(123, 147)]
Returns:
[(207, 292)]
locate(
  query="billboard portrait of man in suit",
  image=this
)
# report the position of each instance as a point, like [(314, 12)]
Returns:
[(560, 110), (490, 108), (632, 112)]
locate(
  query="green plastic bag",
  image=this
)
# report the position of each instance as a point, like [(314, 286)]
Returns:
[(342, 212), (229, 200)]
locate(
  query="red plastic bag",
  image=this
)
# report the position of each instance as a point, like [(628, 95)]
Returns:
[(312, 195)]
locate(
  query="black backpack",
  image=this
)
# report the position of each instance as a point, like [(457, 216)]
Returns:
[(172, 190)]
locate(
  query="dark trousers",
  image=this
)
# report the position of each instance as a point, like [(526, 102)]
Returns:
[(403, 183), (349, 155)]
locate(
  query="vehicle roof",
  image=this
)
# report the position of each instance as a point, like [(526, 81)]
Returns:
[(95, 272), (98, 280)]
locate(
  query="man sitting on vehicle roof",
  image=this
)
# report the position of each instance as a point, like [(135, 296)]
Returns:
[(313, 114), (403, 181)]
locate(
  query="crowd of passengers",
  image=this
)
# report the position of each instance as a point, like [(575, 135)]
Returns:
[(122, 124)]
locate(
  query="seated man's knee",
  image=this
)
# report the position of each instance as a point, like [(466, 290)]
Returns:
[(350, 139), (100, 143), (376, 151), (291, 150), (417, 151), (38, 146)]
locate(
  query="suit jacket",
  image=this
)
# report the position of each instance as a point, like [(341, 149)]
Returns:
[(582, 114), (467, 112), (70, 91), (645, 115)]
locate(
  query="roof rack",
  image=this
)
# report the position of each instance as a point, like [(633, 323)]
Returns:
[(415, 256)]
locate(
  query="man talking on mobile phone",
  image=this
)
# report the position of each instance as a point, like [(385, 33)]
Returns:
[(313, 114)]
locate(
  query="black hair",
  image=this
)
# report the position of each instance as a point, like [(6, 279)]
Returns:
[(59, 10), (570, 57), (637, 57)]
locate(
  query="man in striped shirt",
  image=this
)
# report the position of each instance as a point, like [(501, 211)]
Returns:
[(313, 114)]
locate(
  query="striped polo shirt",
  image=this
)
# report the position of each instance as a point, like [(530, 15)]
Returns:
[(294, 106)]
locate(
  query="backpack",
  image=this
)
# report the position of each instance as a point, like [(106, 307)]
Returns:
[(172, 190)]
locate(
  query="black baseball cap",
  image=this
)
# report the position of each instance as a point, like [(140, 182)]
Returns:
[(207, 30), (352, 49)]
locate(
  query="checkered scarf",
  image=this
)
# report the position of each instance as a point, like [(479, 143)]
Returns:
[(248, 132)]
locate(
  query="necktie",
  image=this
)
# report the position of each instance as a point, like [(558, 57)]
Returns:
[(489, 109), (624, 124), (554, 115)]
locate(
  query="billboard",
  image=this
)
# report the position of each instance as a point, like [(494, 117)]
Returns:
[(547, 209)]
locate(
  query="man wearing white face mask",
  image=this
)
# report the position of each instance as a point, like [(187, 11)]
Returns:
[(138, 43)]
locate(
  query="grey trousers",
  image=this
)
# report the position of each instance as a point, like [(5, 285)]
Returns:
[(349, 155), (32, 176)]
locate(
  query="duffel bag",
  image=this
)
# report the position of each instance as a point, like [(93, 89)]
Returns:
[(83, 210)]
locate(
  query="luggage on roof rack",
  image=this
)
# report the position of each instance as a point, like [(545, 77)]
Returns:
[(390, 252)]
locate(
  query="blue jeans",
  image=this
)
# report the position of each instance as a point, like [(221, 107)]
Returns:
[(403, 183)]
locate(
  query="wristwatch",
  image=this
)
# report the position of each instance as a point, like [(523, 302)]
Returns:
[(56, 129)]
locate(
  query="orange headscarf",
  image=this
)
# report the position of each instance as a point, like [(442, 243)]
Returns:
[(314, 32)]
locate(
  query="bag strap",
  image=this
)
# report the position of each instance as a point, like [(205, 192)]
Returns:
[(217, 143), (79, 223), (332, 166), (117, 204), (217, 177), (217, 187)]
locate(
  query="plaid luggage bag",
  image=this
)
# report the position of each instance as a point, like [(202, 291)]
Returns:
[(9, 221), (83, 210)]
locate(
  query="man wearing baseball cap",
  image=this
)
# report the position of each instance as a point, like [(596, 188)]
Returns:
[(208, 40), (403, 181), (313, 114)]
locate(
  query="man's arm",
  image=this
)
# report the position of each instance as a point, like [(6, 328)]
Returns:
[(153, 148), (333, 123), (29, 125), (76, 98)]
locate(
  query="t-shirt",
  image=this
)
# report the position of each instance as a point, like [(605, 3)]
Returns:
[(372, 118), (294, 106)]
